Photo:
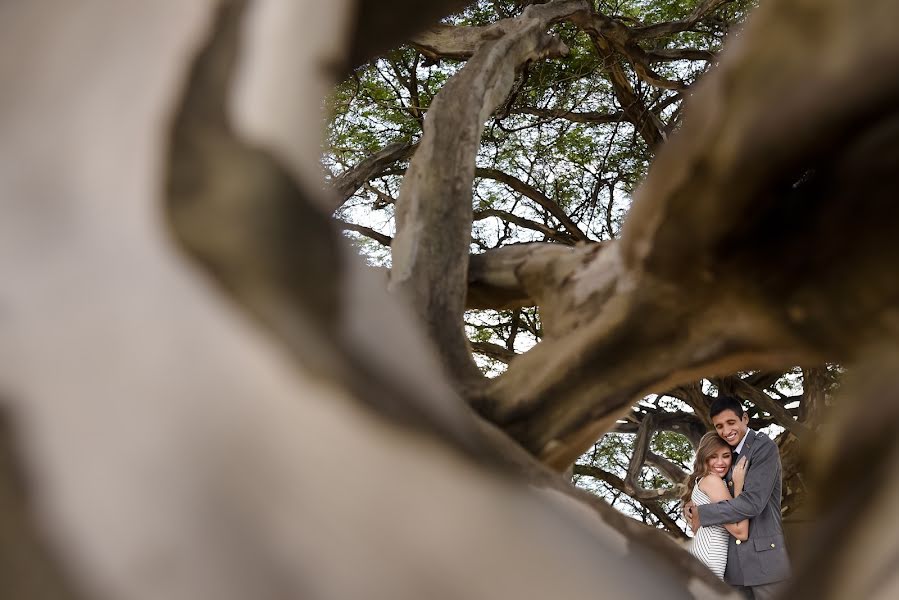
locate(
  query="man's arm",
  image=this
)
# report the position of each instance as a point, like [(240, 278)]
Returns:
[(760, 480)]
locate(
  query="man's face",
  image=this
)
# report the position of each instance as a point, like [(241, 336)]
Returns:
[(730, 427)]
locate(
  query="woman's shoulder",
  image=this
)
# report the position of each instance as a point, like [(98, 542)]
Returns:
[(710, 483)]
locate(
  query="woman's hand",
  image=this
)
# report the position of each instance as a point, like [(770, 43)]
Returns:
[(691, 516), (739, 474)]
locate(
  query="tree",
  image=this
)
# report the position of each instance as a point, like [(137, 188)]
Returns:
[(178, 442), (556, 163)]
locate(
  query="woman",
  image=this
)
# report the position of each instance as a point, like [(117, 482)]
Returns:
[(705, 485)]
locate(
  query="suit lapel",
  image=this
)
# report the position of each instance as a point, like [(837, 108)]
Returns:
[(747, 445)]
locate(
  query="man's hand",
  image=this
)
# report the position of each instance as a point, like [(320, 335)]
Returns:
[(692, 516), (739, 474)]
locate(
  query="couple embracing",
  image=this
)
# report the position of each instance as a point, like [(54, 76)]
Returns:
[(733, 504)]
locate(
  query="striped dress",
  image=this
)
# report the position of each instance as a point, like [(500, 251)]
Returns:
[(710, 543)]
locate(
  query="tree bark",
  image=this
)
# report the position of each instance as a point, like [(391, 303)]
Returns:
[(354, 178)]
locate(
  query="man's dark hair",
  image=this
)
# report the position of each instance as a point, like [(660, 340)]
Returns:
[(723, 403)]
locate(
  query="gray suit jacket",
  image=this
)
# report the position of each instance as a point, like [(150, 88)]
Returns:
[(763, 557)]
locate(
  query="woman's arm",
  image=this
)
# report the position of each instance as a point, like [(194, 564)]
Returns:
[(716, 490)]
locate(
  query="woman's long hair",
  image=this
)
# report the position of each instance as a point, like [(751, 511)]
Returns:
[(709, 443)]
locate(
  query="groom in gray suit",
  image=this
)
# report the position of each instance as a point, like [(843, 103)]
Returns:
[(759, 566)]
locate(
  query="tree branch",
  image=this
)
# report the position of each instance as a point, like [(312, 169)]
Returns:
[(669, 54), (670, 524), (639, 494), (453, 41), (384, 24), (549, 232), (734, 384), (434, 209), (645, 121), (537, 196), (659, 29), (494, 351), (690, 425), (374, 165), (595, 118), (493, 281), (668, 469), (384, 240), (811, 408)]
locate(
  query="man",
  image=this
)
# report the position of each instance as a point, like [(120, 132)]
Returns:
[(759, 566)]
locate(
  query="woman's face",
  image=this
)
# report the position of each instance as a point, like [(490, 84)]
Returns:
[(719, 461)]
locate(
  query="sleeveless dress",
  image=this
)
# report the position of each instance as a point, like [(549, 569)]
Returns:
[(710, 543)]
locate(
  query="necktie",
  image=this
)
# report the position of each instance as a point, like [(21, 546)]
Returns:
[(730, 481)]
